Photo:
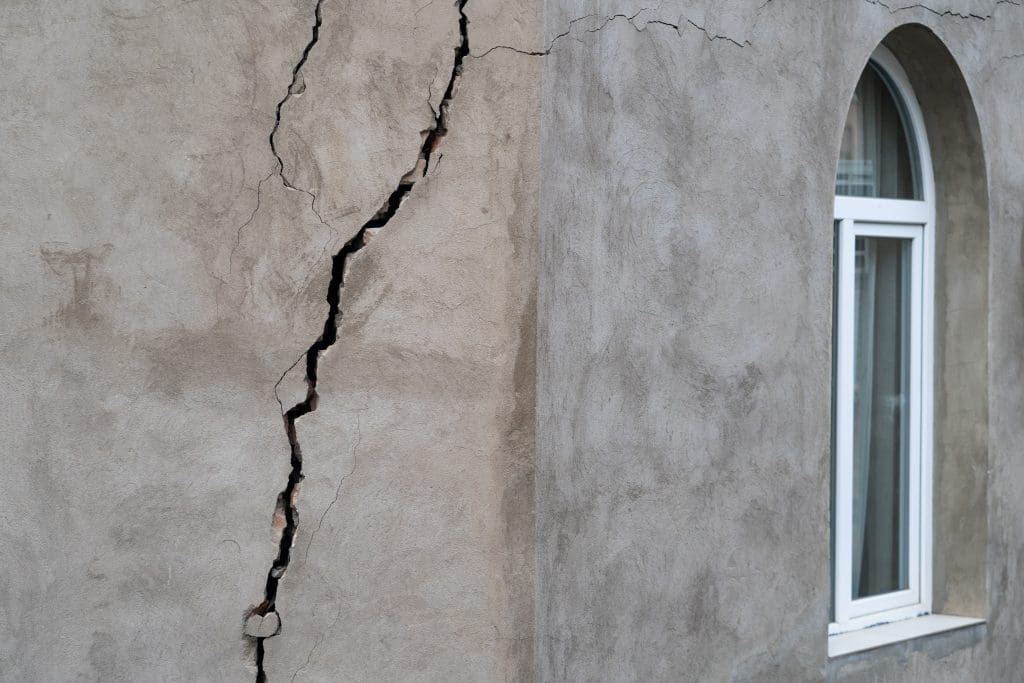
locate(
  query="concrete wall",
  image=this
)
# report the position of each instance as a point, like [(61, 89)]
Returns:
[(162, 272), (614, 276), (684, 345)]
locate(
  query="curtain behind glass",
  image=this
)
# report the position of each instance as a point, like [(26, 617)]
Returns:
[(880, 417), (875, 157)]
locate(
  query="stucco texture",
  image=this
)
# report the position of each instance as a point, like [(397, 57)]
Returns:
[(164, 270), (684, 340), (575, 424)]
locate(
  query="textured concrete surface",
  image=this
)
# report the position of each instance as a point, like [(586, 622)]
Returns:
[(684, 326), (644, 195), (161, 276), (414, 555), (142, 440)]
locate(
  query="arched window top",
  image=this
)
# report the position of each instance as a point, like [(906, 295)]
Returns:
[(879, 157)]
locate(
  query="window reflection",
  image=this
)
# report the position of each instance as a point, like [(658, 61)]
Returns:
[(880, 438), (875, 157)]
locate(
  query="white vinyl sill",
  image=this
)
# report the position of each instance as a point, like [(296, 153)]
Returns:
[(896, 632)]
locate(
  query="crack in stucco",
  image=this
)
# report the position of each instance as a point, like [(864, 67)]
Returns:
[(286, 515), (337, 490), (608, 19), (248, 221), (944, 13), (294, 89), (683, 22)]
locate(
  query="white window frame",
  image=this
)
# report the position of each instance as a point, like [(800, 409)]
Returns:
[(892, 218)]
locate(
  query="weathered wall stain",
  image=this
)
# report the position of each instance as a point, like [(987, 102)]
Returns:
[(89, 286)]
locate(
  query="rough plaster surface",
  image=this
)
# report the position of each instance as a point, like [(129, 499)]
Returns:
[(414, 558), (659, 179), (684, 324), (162, 274), (142, 440)]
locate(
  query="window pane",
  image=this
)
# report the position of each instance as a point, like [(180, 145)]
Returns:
[(875, 159), (881, 415)]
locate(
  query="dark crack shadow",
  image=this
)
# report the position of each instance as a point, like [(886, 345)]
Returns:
[(286, 512)]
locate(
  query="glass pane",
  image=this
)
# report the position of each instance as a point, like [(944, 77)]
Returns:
[(881, 415), (876, 159)]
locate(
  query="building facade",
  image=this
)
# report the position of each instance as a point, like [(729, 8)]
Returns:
[(513, 340)]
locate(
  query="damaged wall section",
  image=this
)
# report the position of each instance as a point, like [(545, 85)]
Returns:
[(265, 619), (464, 203)]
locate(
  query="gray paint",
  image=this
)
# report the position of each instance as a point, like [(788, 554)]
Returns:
[(576, 426)]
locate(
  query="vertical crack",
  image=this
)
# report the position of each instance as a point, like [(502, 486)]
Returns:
[(295, 88), (286, 514)]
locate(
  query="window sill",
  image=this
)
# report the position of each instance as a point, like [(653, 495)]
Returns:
[(896, 632)]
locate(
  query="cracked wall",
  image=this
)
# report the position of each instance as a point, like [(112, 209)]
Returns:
[(641, 190), (440, 471), (180, 178)]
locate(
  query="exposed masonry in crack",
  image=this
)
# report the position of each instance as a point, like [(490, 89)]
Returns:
[(286, 513), (630, 19), (944, 13)]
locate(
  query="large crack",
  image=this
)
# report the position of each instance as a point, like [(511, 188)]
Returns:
[(286, 513)]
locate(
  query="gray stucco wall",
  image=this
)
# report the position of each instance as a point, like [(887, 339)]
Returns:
[(576, 422), (683, 468)]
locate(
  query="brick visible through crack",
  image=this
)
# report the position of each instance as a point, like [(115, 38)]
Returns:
[(286, 512)]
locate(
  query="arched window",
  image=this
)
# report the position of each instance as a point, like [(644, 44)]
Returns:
[(884, 236)]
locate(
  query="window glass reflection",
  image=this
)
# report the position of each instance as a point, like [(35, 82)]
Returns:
[(875, 158), (880, 415)]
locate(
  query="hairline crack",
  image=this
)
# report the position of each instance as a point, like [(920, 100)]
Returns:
[(683, 22)]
